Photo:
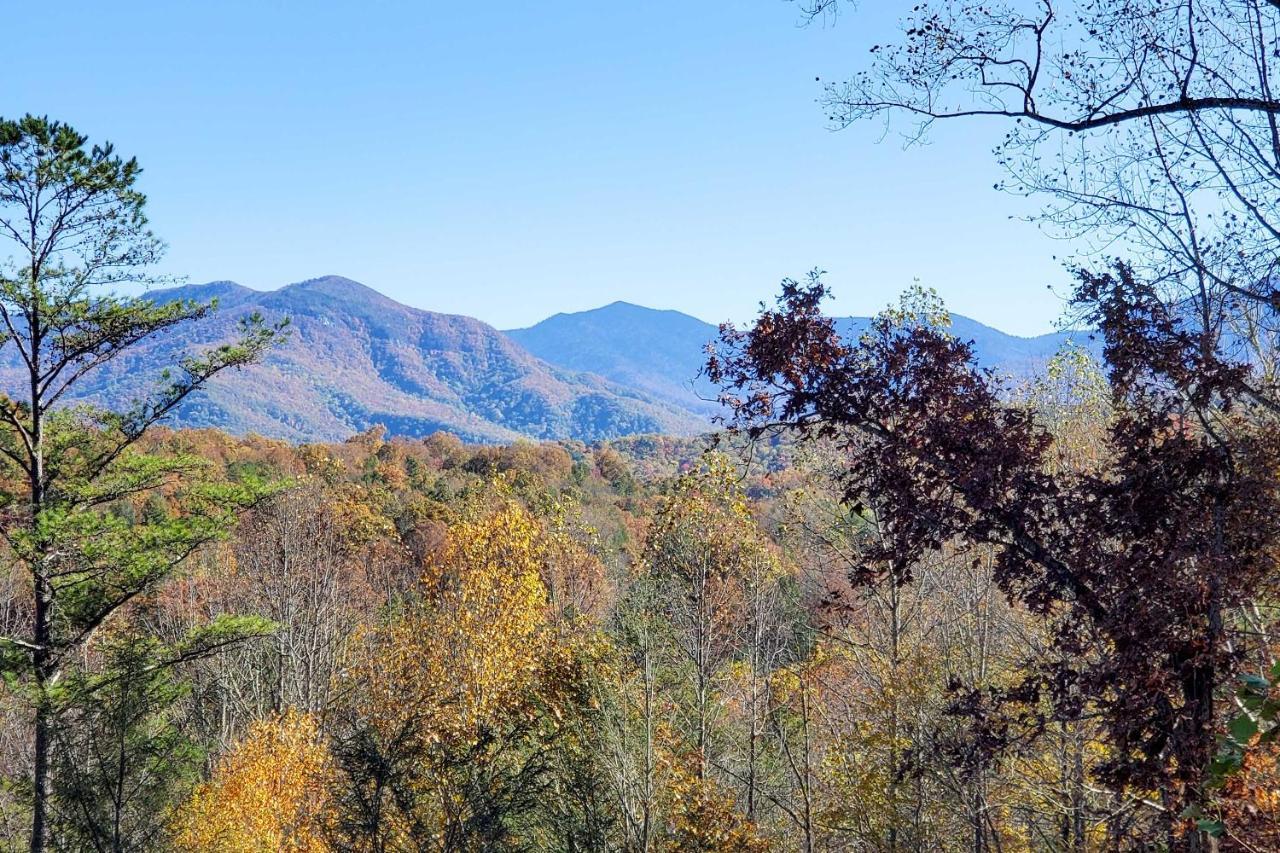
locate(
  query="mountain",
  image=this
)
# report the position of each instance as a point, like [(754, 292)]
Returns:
[(355, 358), (662, 352), (1007, 354), (658, 352)]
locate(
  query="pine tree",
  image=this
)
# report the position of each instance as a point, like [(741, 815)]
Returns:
[(74, 221)]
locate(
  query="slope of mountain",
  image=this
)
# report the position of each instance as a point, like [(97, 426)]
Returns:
[(355, 358), (658, 352), (662, 352)]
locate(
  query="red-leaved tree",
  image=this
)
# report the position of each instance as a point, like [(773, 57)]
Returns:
[(1137, 566)]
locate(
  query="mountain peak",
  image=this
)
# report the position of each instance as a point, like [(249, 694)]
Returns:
[(621, 306), (334, 285), (357, 358), (617, 311), (660, 352), (334, 292)]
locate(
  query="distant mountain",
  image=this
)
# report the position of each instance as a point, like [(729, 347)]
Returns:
[(356, 358), (658, 352), (1006, 354), (662, 352)]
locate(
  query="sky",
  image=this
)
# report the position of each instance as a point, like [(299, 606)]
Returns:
[(510, 160)]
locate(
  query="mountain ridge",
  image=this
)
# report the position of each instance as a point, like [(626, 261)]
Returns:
[(357, 358), (662, 351)]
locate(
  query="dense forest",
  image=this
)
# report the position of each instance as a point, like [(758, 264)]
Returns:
[(897, 602), (563, 647)]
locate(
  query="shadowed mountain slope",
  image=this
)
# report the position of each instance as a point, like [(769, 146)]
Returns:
[(659, 352)]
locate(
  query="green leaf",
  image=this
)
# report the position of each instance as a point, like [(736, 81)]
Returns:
[(1243, 728), (1211, 828), (1255, 684)]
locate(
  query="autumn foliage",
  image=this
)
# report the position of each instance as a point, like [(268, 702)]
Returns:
[(270, 792), (842, 637), (506, 649)]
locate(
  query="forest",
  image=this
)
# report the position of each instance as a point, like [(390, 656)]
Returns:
[(561, 647), (894, 601)]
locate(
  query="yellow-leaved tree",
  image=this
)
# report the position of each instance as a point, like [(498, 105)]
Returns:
[(705, 817), (461, 700), (475, 645), (269, 793)]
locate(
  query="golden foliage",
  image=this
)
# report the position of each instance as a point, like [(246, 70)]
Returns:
[(460, 678), (462, 656), (705, 819), (572, 570), (268, 794)]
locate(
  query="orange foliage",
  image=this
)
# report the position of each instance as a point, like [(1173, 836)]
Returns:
[(1251, 802)]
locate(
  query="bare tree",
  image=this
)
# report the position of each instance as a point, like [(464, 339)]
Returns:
[(1150, 128)]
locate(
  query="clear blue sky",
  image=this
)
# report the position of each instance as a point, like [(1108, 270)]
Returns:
[(510, 160)]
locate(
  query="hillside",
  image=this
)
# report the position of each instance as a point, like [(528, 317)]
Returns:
[(355, 358)]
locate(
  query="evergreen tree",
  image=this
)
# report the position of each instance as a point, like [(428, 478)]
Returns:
[(122, 757), (74, 221)]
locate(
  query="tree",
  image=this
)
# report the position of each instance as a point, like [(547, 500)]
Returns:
[(269, 793), (636, 730), (705, 551), (1137, 568), (869, 709), (122, 758), (75, 223), (299, 559), (466, 706), (1150, 129), (722, 600), (704, 819), (295, 564)]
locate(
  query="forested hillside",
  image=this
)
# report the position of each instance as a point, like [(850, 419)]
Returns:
[(354, 359), (538, 646)]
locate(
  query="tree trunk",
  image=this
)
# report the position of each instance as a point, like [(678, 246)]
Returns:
[(42, 629), (40, 781)]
